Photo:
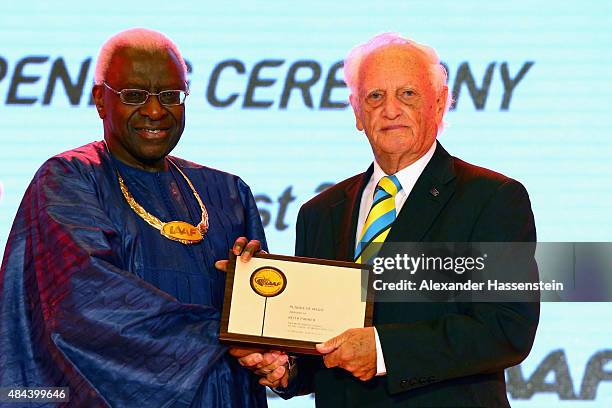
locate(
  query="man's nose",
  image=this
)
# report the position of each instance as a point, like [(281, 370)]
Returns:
[(391, 107), (153, 109)]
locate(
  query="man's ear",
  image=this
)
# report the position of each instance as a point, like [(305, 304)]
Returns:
[(356, 111), (441, 102), (98, 96)]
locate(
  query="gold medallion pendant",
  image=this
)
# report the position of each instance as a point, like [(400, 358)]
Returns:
[(179, 231)]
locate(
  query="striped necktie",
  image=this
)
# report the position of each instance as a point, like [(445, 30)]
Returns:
[(379, 220)]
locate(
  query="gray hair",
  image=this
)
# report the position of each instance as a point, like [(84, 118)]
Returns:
[(138, 38), (355, 57)]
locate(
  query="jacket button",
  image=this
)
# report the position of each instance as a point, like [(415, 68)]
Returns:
[(404, 383)]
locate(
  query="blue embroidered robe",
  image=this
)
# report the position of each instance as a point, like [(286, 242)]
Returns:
[(95, 299)]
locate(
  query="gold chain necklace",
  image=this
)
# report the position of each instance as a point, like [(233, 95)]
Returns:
[(180, 231)]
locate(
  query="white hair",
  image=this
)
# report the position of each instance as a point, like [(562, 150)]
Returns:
[(136, 38), (353, 60)]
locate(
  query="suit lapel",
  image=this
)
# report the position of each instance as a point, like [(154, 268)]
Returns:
[(345, 213), (429, 195), (432, 190)]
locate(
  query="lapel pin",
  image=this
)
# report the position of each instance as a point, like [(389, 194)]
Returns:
[(434, 192)]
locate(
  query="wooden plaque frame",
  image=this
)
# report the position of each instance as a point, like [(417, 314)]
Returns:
[(272, 343)]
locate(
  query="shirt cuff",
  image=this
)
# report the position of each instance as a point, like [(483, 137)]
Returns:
[(381, 369)]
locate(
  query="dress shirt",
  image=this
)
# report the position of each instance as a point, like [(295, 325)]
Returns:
[(407, 177)]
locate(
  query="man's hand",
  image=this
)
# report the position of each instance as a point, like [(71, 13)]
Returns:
[(243, 248), (270, 365), (354, 350)]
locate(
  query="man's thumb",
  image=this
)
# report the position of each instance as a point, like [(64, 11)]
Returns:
[(221, 265), (330, 345)]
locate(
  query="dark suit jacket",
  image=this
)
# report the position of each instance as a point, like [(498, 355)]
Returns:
[(436, 354)]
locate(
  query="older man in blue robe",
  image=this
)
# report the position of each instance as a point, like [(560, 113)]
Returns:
[(108, 284)]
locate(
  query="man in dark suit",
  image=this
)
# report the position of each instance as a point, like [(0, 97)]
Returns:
[(417, 354)]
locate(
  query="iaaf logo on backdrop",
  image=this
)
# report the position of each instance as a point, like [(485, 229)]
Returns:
[(552, 375), (233, 83)]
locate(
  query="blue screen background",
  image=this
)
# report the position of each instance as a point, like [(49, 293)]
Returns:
[(553, 134)]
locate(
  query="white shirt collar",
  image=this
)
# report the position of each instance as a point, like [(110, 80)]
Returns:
[(409, 175)]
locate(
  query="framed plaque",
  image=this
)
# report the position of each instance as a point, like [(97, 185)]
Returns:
[(292, 303)]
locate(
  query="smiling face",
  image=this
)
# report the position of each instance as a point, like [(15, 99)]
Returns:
[(397, 105), (141, 135)]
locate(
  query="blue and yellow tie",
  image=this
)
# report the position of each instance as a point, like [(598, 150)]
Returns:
[(379, 220)]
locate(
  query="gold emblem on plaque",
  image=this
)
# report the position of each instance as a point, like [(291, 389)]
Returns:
[(268, 281)]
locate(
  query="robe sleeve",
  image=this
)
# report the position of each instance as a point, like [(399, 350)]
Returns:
[(71, 315)]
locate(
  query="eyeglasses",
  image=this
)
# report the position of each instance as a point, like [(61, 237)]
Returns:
[(171, 97)]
